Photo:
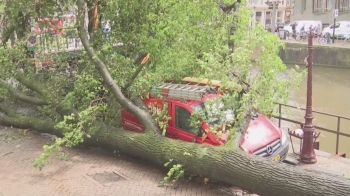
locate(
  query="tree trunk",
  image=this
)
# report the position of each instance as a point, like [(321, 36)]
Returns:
[(223, 164)]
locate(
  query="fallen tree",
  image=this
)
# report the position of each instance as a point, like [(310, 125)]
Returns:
[(217, 163), (87, 110)]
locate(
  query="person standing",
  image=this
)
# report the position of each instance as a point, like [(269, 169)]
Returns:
[(294, 30), (319, 30)]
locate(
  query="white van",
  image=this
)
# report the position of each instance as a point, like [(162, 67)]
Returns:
[(299, 24), (342, 29)]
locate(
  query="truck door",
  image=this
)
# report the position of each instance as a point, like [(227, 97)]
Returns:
[(181, 128), (169, 132)]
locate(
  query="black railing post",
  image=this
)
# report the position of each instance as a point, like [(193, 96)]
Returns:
[(338, 131)]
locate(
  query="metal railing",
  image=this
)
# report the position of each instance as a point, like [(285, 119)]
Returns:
[(67, 41), (337, 131)]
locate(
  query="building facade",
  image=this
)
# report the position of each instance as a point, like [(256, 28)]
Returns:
[(263, 14), (320, 10)]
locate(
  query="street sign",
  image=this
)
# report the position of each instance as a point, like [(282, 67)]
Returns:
[(32, 43), (335, 13)]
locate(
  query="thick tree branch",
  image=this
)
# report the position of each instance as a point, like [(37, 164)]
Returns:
[(7, 34), (30, 84), (22, 97), (24, 122), (226, 7), (61, 110), (145, 117), (7, 110), (133, 77), (240, 80)]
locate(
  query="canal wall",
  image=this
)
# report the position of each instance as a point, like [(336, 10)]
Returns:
[(325, 55)]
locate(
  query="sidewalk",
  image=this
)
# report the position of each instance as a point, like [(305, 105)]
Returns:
[(337, 43), (92, 171), (88, 171), (326, 162)]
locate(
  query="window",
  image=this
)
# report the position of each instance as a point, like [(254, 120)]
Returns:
[(279, 16), (303, 5), (267, 18), (323, 5), (258, 16), (337, 25), (287, 17), (253, 2), (288, 3), (343, 5), (182, 120)]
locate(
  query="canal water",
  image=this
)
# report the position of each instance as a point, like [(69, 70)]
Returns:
[(331, 94)]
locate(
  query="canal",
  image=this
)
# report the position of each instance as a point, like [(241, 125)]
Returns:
[(331, 94)]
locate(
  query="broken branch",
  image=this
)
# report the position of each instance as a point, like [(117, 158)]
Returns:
[(30, 84), (22, 97), (136, 73)]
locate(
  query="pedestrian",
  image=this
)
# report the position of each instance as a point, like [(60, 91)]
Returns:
[(318, 30), (294, 30)]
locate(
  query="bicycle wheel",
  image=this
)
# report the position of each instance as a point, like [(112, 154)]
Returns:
[(322, 40)]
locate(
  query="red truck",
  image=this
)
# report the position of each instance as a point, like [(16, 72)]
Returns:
[(262, 137)]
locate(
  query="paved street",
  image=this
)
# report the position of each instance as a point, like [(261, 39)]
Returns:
[(337, 43), (87, 172)]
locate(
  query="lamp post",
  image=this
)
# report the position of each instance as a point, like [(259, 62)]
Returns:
[(273, 5), (307, 154)]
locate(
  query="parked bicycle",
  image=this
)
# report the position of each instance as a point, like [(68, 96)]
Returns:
[(301, 36), (325, 38), (290, 36)]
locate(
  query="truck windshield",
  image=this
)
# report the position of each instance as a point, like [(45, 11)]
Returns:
[(214, 112)]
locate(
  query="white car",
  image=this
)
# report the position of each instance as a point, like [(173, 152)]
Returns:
[(342, 29)]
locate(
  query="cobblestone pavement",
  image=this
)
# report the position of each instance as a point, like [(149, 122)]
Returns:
[(87, 172)]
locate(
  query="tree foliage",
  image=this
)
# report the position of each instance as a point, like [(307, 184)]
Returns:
[(183, 38)]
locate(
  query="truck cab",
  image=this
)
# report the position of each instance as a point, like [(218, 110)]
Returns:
[(262, 137)]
